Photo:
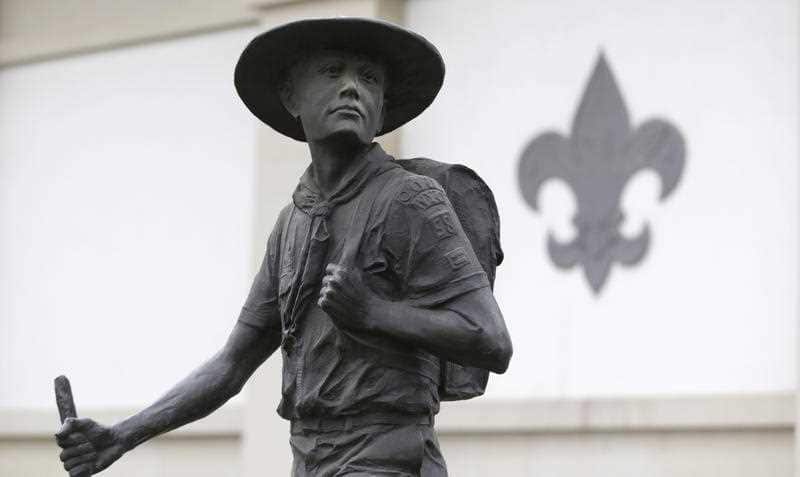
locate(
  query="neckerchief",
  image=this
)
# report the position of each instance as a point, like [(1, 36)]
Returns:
[(314, 252)]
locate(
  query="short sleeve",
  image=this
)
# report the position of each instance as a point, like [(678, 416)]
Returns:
[(261, 308), (426, 247)]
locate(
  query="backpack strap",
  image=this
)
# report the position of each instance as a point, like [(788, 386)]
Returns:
[(360, 218)]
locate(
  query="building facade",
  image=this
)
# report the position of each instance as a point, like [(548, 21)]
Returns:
[(137, 192)]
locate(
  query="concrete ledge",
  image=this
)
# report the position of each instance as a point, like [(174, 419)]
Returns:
[(724, 412), (714, 413)]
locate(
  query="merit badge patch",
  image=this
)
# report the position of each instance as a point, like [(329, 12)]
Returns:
[(443, 225), (457, 258)]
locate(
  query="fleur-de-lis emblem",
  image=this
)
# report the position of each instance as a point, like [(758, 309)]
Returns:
[(597, 161)]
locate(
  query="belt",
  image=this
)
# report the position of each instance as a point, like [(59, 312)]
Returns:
[(327, 424)]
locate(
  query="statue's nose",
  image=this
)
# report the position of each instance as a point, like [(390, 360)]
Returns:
[(349, 87)]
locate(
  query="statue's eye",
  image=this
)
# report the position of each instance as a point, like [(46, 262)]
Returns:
[(331, 70), (369, 76)]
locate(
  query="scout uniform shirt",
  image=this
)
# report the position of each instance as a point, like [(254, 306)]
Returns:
[(412, 249)]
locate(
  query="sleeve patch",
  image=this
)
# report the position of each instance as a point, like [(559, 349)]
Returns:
[(457, 258), (442, 224)]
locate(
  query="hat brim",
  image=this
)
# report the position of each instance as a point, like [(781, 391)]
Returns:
[(414, 66)]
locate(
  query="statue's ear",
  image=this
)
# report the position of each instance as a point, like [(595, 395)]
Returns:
[(383, 115), (286, 93)]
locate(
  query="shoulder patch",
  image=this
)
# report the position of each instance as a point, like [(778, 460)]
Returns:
[(421, 192), (427, 199)]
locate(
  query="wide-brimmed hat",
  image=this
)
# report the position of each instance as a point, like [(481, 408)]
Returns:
[(414, 66)]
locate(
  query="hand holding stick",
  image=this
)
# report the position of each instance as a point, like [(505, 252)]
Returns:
[(88, 447)]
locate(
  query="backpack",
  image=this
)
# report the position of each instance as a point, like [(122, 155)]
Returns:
[(476, 209)]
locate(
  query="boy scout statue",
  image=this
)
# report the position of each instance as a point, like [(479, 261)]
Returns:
[(369, 284)]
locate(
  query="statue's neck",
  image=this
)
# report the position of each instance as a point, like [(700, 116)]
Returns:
[(332, 160)]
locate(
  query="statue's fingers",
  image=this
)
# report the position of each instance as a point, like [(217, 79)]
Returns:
[(335, 283), (332, 268), (328, 278), (67, 428), (335, 305), (340, 272), (330, 305), (104, 459), (74, 451), (81, 424), (81, 459), (334, 293), (330, 299), (72, 440), (83, 470), (325, 291)]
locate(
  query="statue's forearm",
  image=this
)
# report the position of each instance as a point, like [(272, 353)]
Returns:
[(457, 333), (196, 396)]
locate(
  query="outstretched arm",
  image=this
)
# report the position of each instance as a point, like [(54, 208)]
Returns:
[(206, 389), (90, 447)]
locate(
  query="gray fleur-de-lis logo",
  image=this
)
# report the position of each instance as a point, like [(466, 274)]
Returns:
[(596, 161)]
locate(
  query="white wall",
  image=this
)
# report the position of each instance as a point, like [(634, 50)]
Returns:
[(128, 221), (713, 307), (126, 203)]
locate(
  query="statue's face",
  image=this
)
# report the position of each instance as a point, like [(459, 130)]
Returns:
[(337, 94)]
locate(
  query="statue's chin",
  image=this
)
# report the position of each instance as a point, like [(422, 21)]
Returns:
[(345, 138)]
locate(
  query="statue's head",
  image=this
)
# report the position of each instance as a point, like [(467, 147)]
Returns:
[(336, 94), (349, 77)]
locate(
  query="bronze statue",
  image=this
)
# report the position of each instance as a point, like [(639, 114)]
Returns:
[(380, 302)]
